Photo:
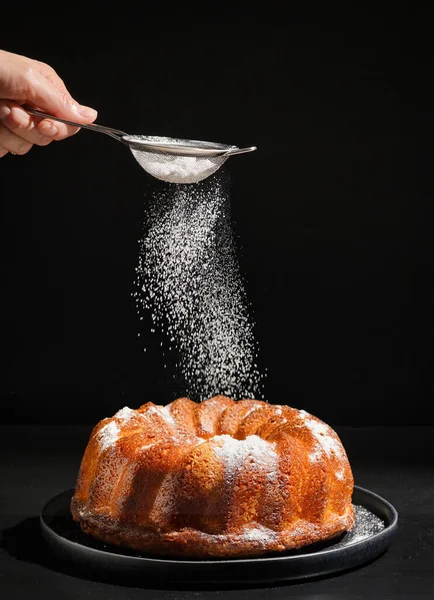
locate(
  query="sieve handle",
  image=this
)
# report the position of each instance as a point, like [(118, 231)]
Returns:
[(232, 151), (117, 134)]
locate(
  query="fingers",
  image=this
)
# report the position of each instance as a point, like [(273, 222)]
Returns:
[(22, 124), (35, 130), (27, 81), (55, 130), (13, 143)]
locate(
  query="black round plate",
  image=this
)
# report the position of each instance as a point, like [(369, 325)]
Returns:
[(376, 523)]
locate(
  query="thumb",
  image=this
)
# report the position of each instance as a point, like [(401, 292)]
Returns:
[(42, 93)]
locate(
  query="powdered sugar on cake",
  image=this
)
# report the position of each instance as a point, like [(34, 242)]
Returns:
[(259, 534), (163, 412), (250, 411), (125, 414), (234, 453), (323, 434), (108, 435), (316, 455)]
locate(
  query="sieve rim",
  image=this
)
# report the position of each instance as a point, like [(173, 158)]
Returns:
[(177, 146)]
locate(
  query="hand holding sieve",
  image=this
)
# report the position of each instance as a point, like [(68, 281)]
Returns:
[(170, 159)]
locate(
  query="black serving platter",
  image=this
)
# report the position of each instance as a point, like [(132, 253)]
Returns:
[(375, 526)]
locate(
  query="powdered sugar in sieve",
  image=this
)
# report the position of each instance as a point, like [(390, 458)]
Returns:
[(175, 168)]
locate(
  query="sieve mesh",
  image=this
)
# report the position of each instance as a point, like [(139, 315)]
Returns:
[(175, 168)]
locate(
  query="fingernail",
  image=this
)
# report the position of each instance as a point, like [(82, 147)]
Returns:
[(5, 111), (86, 111), (47, 128)]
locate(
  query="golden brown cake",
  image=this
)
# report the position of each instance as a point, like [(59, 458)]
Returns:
[(215, 479)]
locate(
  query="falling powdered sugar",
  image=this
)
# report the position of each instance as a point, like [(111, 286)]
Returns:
[(188, 281)]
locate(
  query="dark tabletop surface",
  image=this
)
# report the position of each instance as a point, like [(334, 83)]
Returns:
[(397, 463)]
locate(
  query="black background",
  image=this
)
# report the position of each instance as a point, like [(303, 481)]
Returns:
[(332, 214)]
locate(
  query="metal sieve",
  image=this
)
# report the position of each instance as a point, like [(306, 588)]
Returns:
[(170, 159)]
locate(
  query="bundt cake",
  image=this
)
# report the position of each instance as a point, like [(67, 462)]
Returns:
[(221, 478)]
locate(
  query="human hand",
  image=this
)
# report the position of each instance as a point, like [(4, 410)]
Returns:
[(27, 81)]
